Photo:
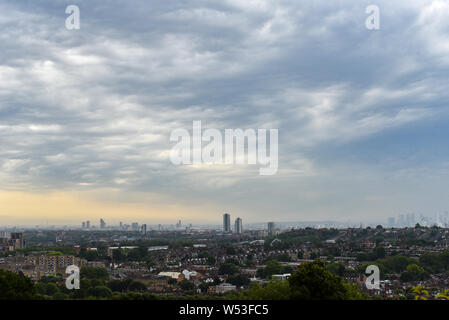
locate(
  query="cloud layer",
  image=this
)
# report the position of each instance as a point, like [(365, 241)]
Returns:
[(361, 114)]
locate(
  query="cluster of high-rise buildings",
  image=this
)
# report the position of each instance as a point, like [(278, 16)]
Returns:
[(126, 227), (10, 241), (411, 219), (238, 225), (87, 225)]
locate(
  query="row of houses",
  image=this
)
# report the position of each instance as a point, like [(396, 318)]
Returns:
[(37, 267)]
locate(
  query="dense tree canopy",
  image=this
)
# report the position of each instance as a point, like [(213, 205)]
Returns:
[(15, 287), (312, 281)]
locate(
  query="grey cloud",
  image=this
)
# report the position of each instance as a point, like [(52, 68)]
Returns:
[(94, 108)]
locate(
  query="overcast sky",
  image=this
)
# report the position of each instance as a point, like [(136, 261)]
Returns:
[(86, 115)]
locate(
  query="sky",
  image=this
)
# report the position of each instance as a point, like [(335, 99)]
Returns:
[(86, 115)]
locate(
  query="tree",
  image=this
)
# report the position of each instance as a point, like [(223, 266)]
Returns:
[(274, 290), (380, 252), (337, 268), (94, 273), (40, 287), (187, 285), (239, 280), (211, 260), (91, 255), (137, 286), (117, 285), (15, 287), (51, 289), (204, 286), (150, 265), (228, 268), (272, 267), (60, 296), (230, 250), (100, 292), (413, 273), (312, 281)]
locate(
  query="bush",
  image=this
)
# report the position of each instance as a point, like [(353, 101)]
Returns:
[(94, 273), (99, 292), (51, 289)]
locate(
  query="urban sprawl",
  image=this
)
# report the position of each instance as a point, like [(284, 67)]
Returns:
[(136, 261)]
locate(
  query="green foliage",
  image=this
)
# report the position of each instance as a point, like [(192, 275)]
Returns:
[(274, 290), (137, 286), (239, 280), (91, 255), (435, 262), (337, 268), (51, 278), (94, 273), (99, 292), (186, 285), (312, 281), (228, 269), (135, 296), (230, 250), (420, 293), (15, 287), (413, 273), (233, 261), (378, 253), (118, 255), (51, 289), (60, 296), (272, 267), (204, 286), (118, 285), (40, 288), (54, 253), (284, 257)]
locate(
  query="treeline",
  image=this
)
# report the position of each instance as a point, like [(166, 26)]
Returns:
[(411, 269)]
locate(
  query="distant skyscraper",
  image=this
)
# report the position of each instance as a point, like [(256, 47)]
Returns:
[(135, 226), (144, 229), (83, 225), (227, 222), (401, 221), (271, 228), (238, 228), (88, 224), (102, 224), (391, 222)]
